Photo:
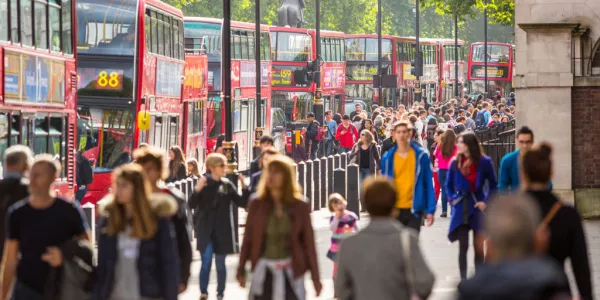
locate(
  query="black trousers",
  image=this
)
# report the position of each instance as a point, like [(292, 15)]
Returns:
[(463, 243), (407, 218), (268, 289)]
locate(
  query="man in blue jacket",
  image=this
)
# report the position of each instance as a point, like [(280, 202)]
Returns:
[(509, 166), (408, 165)]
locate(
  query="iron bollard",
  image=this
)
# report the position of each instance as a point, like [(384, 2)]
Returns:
[(309, 182), (316, 184), (353, 188), (344, 160), (336, 161), (190, 188), (89, 211), (177, 185), (295, 168), (183, 186), (302, 176), (339, 182), (323, 180), (330, 169)]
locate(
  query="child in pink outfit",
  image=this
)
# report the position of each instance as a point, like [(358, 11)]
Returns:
[(343, 223)]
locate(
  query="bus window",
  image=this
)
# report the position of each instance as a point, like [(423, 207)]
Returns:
[(106, 27), (111, 140), (173, 131), (293, 46), (213, 119)]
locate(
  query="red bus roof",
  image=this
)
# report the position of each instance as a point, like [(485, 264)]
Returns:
[(450, 42), (234, 24), (165, 7), (368, 35), (324, 33), (493, 43)]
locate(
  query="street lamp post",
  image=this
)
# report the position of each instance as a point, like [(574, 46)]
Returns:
[(259, 129), (379, 52), (456, 92), (229, 144), (485, 47), (418, 52), (318, 99)]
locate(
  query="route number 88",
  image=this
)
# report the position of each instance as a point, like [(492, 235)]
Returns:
[(112, 79)]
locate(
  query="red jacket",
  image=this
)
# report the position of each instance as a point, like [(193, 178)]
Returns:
[(349, 138)]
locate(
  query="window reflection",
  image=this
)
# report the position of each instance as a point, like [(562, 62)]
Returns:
[(107, 136)]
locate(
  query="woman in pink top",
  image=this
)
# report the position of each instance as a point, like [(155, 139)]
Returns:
[(444, 153)]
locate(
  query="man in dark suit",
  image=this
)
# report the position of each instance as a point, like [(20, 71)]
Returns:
[(266, 141), (14, 185)]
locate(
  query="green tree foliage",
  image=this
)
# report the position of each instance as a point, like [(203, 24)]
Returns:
[(499, 11), (359, 16)]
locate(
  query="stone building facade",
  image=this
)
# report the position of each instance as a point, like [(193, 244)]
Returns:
[(557, 83)]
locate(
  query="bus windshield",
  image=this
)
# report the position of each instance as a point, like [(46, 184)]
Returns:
[(106, 27), (365, 49), (295, 105), (105, 136), (204, 37), (495, 53), (288, 46)]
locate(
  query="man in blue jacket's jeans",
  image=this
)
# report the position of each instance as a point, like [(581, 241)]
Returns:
[(408, 166), (509, 166)]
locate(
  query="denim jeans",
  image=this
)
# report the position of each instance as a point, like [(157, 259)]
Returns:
[(23, 292), (363, 173), (314, 149), (443, 174), (344, 150), (328, 147), (206, 264)]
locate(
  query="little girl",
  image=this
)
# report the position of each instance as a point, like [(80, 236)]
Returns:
[(343, 223)]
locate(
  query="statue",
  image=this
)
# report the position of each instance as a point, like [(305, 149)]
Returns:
[(291, 13)]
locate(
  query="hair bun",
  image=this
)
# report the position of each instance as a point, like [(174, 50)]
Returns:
[(545, 150)]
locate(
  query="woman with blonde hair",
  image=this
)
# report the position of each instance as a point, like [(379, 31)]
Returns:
[(137, 252), (213, 202), (365, 155), (279, 239), (193, 169)]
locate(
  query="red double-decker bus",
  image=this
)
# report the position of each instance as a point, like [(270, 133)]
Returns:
[(130, 65), (195, 96), (38, 96), (430, 81), (500, 67), (447, 69), (204, 35), (291, 50), (361, 66)]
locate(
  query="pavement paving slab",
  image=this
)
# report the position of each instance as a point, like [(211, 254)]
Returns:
[(441, 256)]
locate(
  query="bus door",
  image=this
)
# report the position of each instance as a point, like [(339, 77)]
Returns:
[(249, 108), (164, 131)]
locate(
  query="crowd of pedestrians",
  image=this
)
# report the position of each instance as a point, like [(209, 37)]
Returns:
[(408, 159)]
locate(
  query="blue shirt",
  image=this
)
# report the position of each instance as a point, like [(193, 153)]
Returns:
[(486, 116), (332, 127), (509, 172)]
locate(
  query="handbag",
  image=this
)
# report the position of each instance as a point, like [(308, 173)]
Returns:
[(405, 240)]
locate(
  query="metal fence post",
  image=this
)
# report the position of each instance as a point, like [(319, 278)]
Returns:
[(352, 188), (316, 179), (344, 160), (330, 168), (309, 181), (301, 176), (89, 210), (323, 179), (339, 182), (336, 161)]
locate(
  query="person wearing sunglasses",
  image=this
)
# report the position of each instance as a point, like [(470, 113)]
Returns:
[(213, 203)]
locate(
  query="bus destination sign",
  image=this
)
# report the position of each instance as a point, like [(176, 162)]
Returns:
[(283, 76), (497, 72), (101, 79)]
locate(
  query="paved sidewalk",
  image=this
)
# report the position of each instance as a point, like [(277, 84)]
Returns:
[(440, 254)]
